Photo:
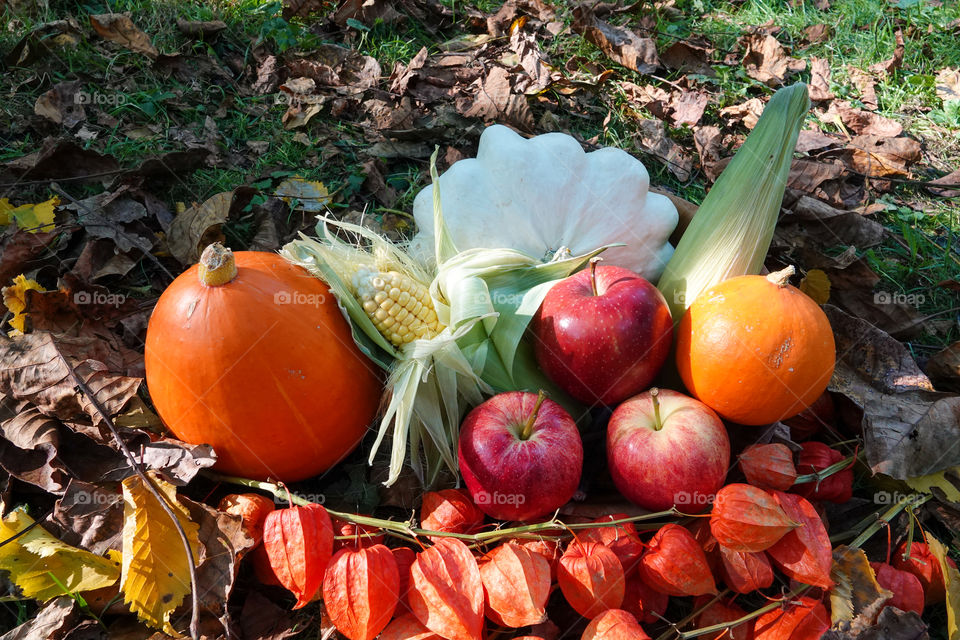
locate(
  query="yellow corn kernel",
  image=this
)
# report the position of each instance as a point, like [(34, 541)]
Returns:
[(399, 306)]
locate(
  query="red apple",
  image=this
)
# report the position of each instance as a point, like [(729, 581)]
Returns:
[(666, 449), (602, 334), (520, 456)]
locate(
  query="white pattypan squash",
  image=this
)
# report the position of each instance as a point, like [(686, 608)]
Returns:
[(543, 194)]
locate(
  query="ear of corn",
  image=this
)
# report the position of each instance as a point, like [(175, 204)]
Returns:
[(731, 231), (400, 307)]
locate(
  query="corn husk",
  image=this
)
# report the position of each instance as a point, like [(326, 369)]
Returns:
[(731, 233)]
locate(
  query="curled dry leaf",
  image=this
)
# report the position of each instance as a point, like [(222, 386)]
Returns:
[(360, 591), (909, 429), (116, 27), (820, 79), (944, 368), (646, 604), (619, 44), (675, 564), (721, 612), (805, 553), (765, 59), (745, 571), (299, 542), (450, 510), (816, 457), (746, 518), (516, 584), (407, 627), (905, 587), (614, 624), (769, 466), (252, 509), (591, 578), (446, 591), (622, 539), (799, 619)]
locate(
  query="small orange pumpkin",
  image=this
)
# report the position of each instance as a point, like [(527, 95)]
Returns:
[(755, 349), (250, 354)]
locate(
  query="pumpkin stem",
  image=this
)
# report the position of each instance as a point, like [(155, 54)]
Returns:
[(593, 273), (657, 422), (217, 266), (781, 278), (527, 430)]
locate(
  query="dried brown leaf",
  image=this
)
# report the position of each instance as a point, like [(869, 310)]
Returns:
[(746, 112), (952, 179), (860, 122), (200, 29), (909, 429), (866, 84), (948, 84), (815, 141), (892, 624), (688, 57), (119, 28), (709, 143), (817, 33), (495, 102), (881, 156), (619, 44), (944, 368), (89, 516), (820, 79), (652, 138), (765, 59), (688, 106), (194, 229), (52, 622), (894, 62), (63, 104)]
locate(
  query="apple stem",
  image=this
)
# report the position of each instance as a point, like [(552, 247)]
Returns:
[(527, 429), (593, 274), (658, 424)]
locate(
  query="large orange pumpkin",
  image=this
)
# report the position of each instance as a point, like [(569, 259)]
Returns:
[(251, 354), (755, 349)]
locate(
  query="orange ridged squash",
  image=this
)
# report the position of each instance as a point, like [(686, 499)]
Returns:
[(251, 354), (755, 349)]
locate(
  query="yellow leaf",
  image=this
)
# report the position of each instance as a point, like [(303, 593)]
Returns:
[(34, 556), (30, 217), (951, 579), (15, 300), (816, 284), (313, 195), (856, 597), (156, 575), (939, 480)]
